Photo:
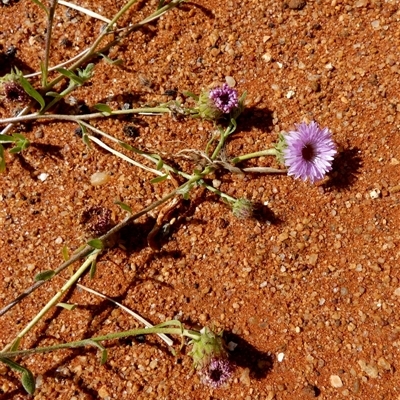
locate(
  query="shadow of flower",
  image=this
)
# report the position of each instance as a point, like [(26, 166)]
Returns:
[(345, 168)]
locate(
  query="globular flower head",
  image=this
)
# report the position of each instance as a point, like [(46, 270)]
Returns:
[(210, 358), (224, 98), (310, 151), (242, 208), (216, 103), (97, 220), (13, 91)]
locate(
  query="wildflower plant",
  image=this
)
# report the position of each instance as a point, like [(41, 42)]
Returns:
[(307, 152)]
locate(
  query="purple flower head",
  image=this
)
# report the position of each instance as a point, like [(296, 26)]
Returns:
[(225, 98), (13, 91), (211, 358), (216, 372), (310, 151)]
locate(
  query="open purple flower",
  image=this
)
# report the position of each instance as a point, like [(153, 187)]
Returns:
[(225, 98), (310, 151)]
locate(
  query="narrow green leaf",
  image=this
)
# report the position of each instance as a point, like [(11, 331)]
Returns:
[(16, 149), (159, 179), (69, 74), (44, 276), (65, 253), (67, 306), (96, 243), (32, 92), (15, 345), (124, 206), (102, 348), (110, 61), (190, 94), (7, 139), (2, 159), (86, 140), (28, 381), (54, 94), (104, 108), (42, 6), (93, 268)]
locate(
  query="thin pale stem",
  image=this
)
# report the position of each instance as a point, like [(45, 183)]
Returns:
[(166, 339), (84, 117), (55, 298), (84, 11), (123, 156)]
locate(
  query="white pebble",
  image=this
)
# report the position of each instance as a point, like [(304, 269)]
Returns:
[(99, 178), (280, 357), (42, 177), (230, 81), (336, 382)]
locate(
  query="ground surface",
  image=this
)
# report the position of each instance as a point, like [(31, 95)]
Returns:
[(313, 279)]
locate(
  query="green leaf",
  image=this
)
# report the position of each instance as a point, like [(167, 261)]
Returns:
[(102, 348), (45, 275), (54, 94), (108, 60), (73, 77), (104, 108), (15, 344), (124, 206), (67, 306), (86, 140), (159, 179), (42, 6), (28, 381), (32, 92), (7, 139), (190, 94), (16, 149), (93, 268), (65, 253), (2, 159), (87, 73), (96, 243)]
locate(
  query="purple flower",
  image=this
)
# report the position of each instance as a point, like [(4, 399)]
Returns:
[(14, 91), (225, 98), (310, 151), (216, 372), (211, 358)]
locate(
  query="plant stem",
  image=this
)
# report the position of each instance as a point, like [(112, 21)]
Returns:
[(118, 335), (84, 117), (268, 152), (45, 69)]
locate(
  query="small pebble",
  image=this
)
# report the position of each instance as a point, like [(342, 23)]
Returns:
[(336, 382), (230, 81), (296, 4), (99, 178)]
